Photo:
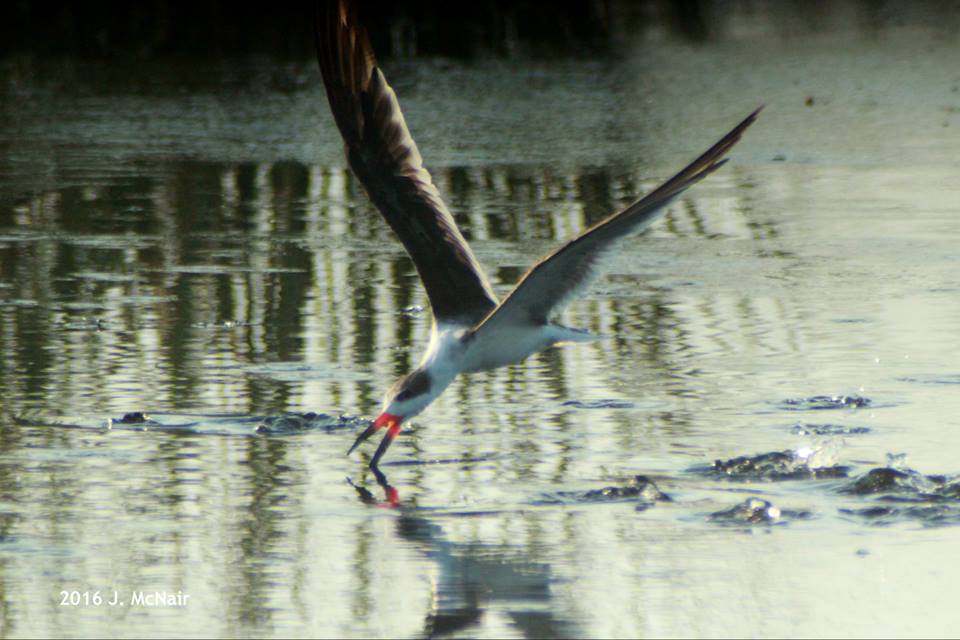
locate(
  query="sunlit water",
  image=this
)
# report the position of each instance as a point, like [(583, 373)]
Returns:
[(199, 254)]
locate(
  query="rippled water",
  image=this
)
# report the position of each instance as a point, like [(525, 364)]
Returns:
[(199, 308)]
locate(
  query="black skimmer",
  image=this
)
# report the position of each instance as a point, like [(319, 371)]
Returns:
[(471, 330)]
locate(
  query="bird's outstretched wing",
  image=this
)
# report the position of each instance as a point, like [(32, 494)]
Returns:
[(383, 155), (563, 274)]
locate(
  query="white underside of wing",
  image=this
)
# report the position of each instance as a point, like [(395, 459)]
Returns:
[(510, 318), (504, 344)]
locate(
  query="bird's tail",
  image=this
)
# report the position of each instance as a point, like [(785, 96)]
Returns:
[(561, 334)]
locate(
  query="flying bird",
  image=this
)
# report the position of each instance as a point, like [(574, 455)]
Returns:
[(471, 329)]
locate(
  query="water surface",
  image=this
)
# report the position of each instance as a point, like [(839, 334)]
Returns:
[(197, 253)]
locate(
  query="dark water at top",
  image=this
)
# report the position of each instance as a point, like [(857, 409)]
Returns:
[(195, 251)]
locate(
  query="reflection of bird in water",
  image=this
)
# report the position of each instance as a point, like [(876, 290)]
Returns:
[(471, 329), (474, 580)]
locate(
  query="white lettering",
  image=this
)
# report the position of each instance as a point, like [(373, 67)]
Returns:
[(159, 599)]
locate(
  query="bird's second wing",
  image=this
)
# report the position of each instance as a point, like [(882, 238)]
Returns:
[(559, 276), (383, 155)]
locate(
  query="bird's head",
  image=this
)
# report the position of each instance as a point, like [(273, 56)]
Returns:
[(407, 397)]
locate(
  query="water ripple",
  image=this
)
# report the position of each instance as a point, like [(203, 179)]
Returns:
[(640, 488), (820, 403), (756, 511), (774, 466)]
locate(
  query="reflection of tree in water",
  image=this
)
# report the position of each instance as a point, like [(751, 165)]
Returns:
[(168, 282), (261, 531), (431, 27)]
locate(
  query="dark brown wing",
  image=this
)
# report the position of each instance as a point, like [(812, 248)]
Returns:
[(385, 158), (559, 276)]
